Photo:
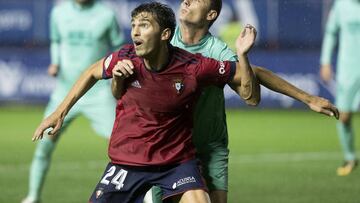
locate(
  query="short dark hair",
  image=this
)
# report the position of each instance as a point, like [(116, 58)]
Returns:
[(215, 5), (162, 13)]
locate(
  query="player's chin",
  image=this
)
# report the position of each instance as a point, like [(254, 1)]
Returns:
[(139, 52)]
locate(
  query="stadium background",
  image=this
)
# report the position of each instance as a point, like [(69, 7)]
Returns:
[(280, 152), (289, 40)]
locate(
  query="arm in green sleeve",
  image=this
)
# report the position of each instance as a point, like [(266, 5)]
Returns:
[(55, 40), (330, 36), (55, 53), (115, 34)]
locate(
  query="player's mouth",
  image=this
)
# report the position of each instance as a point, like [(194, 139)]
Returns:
[(184, 10), (137, 43)]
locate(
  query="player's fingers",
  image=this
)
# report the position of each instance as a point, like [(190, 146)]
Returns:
[(243, 32), (128, 68), (330, 111), (38, 133), (250, 31), (326, 112), (254, 31), (335, 112), (117, 71), (129, 63), (124, 68), (54, 131), (330, 107), (250, 27)]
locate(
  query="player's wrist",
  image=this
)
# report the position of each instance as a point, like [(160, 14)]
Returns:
[(242, 52)]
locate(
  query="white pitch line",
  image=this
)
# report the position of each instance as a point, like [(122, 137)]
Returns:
[(286, 157), (235, 159), (62, 165)]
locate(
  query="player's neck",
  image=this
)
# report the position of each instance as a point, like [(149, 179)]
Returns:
[(157, 60), (192, 34)]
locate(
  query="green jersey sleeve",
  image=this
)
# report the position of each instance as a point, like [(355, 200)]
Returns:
[(54, 39), (115, 34), (331, 30)]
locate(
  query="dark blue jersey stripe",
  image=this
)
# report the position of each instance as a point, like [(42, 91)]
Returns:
[(232, 70), (186, 60)]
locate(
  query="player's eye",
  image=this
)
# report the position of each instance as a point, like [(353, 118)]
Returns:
[(144, 25)]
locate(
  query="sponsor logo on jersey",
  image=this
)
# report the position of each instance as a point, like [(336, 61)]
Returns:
[(99, 193), (136, 84), (222, 68), (178, 85), (108, 61), (184, 181)]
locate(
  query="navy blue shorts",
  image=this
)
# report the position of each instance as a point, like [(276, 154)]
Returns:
[(129, 184)]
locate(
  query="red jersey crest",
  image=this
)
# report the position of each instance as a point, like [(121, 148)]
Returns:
[(178, 85)]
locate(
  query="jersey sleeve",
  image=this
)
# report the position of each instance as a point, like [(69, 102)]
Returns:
[(108, 65), (109, 62), (54, 38), (331, 29), (116, 35), (213, 72)]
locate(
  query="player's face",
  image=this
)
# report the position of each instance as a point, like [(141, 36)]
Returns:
[(194, 11), (145, 33)]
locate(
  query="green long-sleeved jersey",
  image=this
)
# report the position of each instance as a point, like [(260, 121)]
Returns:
[(343, 24), (210, 129), (81, 35)]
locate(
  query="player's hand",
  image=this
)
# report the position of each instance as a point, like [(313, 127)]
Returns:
[(324, 106), (53, 70), (246, 39), (123, 69), (50, 126), (326, 72)]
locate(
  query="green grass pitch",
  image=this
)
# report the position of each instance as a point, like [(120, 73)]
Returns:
[(276, 156)]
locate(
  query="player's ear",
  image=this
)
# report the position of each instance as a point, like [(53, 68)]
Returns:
[(211, 15), (166, 33)]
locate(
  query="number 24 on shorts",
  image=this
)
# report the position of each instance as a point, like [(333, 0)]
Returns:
[(117, 180)]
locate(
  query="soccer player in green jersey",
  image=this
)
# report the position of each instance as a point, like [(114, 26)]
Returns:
[(210, 130), (344, 22), (81, 31)]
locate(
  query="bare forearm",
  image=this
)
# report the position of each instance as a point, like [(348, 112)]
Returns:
[(82, 85), (246, 77), (248, 89), (117, 88), (277, 84)]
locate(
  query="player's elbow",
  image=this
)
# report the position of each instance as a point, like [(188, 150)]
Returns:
[(253, 101), (116, 96), (250, 92), (116, 93), (253, 96)]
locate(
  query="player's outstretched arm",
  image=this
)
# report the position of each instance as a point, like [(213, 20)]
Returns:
[(277, 84), (244, 81), (82, 85)]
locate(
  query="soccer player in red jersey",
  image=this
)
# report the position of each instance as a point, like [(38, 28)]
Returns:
[(151, 139)]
